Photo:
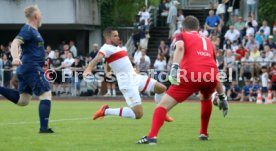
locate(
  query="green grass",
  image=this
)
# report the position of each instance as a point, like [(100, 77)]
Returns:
[(248, 127)]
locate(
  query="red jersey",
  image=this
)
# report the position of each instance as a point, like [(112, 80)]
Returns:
[(273, 78), (241, 53), (199, 54)]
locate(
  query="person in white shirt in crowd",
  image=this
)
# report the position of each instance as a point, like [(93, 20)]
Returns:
[(67, 72), (234, 46), (143, 54), (73, 48), (266, 28), (253, 21), (180, 19), (229, 61), (144, 15), (262, 61), (49, 52), (137, 55), (143, 64), (247, 66), (250, 30), (268, 53), (160, 65), (251, 5), (251, 43), (232, 34), (172, 17), (204, 32)]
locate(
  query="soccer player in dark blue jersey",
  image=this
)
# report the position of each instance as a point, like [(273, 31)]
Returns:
[(29, 72)]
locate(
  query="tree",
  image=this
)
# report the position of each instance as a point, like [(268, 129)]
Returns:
[(267, 11)]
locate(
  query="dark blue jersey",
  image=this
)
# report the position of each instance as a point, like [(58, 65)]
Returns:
[(33, 52)]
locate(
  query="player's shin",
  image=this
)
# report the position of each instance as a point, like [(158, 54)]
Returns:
[(157, 121), (10, 94), (124, 112), (206, 110), (44, 113)]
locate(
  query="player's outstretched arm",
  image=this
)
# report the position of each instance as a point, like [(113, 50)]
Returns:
[(177, 57), (92, 64), (15, 51)]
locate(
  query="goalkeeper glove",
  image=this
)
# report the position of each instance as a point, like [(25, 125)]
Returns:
[(173, 74)]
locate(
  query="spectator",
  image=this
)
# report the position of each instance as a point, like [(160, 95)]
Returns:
[(251, 5), (204, 32), (137, 55), (271, 44), (160, 65), (227, 45), (240, 53), (254, 90), (77, 67), (268, 53), (49, 52), (252, 21), (221, 9), (229, 61), (234, 46), (143, 54), (247, 67), (220, 59), (231, 21), (61, 46), (163, 49), (240, 26), (162, 11), (250, 30), (67, 72), (232, 34), (212, 21), (262, 61), (144, 15), (246, 91), (255, 53), (236, 7), (265, 28), (65, 51), (143, 65), (215, 32), (264, 80), (2, 50), (260, 37), (180, 19), (172, 17), (73, 48), (56, 65), (143, 35), (7, 66), (251, 43), (234, 91), (94, 51)]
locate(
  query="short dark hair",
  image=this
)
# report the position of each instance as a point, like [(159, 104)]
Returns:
[(108, 31), (191, 23)]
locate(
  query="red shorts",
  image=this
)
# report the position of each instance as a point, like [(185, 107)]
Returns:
[(181, 92)]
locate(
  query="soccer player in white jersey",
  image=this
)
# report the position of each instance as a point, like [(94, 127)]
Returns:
[(121, 66)]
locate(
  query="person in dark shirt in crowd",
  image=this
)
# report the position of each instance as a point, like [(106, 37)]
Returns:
[(234, 92)]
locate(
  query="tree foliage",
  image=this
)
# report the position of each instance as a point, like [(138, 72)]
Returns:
[(121, 12), (267, 11)]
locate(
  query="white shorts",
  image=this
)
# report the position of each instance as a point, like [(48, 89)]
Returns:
[(146, 84), (132, 96)]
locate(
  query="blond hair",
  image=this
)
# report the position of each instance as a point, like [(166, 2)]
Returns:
[(30, 10)]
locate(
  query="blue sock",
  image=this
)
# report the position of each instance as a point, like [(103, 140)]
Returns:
[(44, 113), (10, 94)]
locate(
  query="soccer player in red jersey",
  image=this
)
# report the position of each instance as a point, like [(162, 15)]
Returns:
[(193, 69)]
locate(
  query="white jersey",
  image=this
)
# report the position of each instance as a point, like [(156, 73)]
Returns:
[(118, 60), (264, 79)]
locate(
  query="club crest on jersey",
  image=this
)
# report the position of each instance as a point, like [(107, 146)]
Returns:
[(203, 53)]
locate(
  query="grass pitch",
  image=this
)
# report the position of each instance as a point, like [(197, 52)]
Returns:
[(248, 127)]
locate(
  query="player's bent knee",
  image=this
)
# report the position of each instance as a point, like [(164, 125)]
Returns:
[(46, 96), (138, 111), (24, 99), (159, 88), (139, 115)]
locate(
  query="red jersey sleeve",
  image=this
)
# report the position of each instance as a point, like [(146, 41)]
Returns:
[(179, 37)]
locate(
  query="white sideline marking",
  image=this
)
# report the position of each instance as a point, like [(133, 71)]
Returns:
[(51, 121)]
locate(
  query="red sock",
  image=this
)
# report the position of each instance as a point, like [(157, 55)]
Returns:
[(206, 110), (158, 119)]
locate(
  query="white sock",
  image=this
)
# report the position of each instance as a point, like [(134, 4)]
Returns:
[(125, 112), (109, 91), (158, 97), (114, 92)]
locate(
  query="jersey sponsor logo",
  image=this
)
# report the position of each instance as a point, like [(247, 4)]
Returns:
[(203, 53)]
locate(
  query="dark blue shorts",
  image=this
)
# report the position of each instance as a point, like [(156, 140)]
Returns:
[(31, 80), (264, 90)]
